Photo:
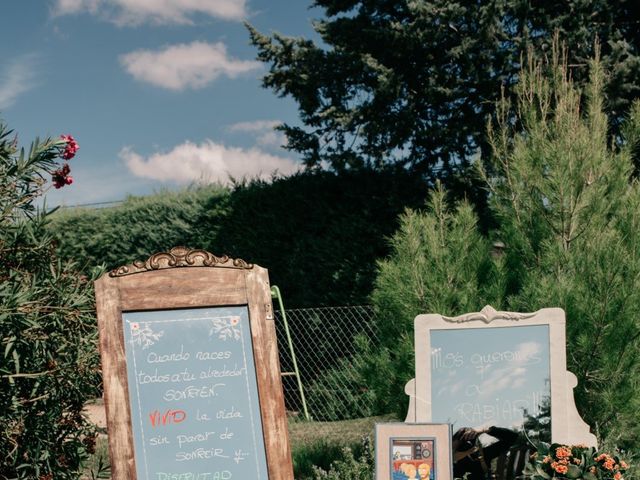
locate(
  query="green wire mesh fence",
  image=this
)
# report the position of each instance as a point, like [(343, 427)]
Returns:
[(330, 344)]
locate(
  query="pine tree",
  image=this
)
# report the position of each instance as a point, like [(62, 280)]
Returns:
[(411, 82), (568, 213), (440, 263)]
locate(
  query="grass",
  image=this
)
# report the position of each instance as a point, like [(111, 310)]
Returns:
[(97, 467), (319, 444)]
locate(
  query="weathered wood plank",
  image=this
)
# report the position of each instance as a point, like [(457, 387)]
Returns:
[(265, 348), (114, 378), (182, 288)]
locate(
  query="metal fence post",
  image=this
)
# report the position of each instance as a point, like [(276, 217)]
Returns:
[(275, 293)]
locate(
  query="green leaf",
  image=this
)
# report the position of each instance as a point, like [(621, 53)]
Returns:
[(542, 473), (16, 360), (9, 346), (574, 472)]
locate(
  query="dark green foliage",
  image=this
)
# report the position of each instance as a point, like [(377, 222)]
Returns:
[(412, 82), (355, 465), (307, 457), (48, 339), (318, 233), (138, 228), (343, 391), (568, 212)]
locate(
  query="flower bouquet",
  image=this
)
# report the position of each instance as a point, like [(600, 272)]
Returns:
[(574, 462)]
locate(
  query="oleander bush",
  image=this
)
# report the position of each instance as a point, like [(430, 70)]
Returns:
[(48, 348)]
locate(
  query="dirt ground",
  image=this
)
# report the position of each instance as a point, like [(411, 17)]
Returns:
[(95, 412)]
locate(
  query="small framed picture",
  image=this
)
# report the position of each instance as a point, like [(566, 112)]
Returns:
[(413, 451)]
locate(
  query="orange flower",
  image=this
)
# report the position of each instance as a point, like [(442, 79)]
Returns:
[(563, 452), (624, 465), (609, 464), (561, 468), (617, 476), (546, 459)]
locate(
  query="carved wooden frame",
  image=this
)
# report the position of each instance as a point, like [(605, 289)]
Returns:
[(163, 282), (566, 424)]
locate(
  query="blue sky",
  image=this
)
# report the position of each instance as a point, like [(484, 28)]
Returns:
[(158, 93)]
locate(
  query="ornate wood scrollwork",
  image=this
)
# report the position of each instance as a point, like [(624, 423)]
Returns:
[(487, 315), (180, 257)]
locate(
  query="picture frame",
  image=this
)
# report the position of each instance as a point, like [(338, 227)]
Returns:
[(418, 451)]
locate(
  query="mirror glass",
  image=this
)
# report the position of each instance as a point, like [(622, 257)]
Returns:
[(492, 377)]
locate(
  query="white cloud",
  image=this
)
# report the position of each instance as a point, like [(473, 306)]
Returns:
[(263, 130), (67, 7), (271, 139), (136, 12), (16, 79), (254, 126), (207, 161), (182, 66)]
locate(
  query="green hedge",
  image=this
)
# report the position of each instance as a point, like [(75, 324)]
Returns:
[(319, 234)]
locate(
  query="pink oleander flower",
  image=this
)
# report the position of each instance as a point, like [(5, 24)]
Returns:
[(70, 148), (61, 176)]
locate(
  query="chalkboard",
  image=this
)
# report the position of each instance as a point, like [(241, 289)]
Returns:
[(496, 368), (191, 375), (492, 377), (193, 394)]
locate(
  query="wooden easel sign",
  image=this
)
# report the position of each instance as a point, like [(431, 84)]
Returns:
[(190, 370)]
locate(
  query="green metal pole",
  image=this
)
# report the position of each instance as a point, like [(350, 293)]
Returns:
[(275, 293)]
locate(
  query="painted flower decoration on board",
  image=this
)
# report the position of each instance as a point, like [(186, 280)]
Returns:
[(225, 328), (144, 335)]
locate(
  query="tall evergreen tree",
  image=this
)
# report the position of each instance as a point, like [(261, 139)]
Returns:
[(569, 215), (411, 82)]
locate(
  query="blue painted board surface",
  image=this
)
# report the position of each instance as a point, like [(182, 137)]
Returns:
[(193, 395)]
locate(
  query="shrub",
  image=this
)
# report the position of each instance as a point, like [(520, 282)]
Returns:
[(308, 457), (342, 392), (136, 229), (318, 233), (352, 466), (440, 263), (48, 360)]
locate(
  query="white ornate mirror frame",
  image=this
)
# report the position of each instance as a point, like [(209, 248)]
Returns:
[(567, 426)]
